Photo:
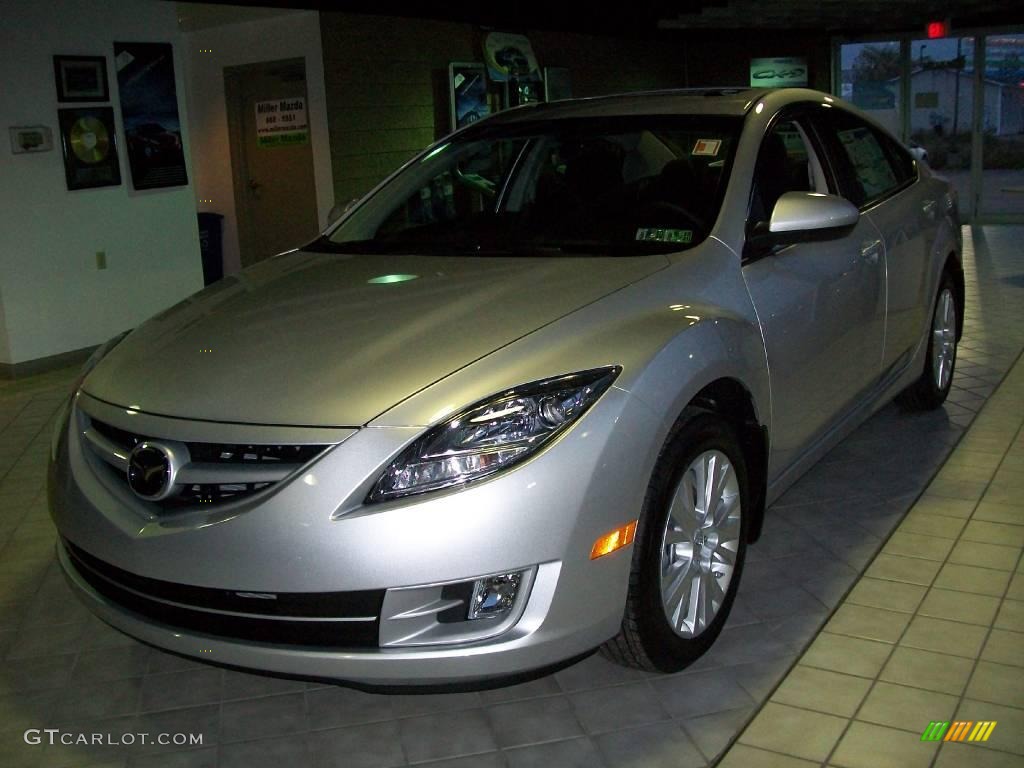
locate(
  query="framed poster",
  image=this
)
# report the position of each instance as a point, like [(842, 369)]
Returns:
[(467, 93), (90, 149), (81, 78), (149, 112)]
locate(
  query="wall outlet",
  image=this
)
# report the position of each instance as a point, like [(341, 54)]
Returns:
[(101, 259)]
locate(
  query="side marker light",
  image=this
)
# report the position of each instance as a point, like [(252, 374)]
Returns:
[(613, 540)]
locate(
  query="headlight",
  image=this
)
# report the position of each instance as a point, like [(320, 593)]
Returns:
[(493, 434)]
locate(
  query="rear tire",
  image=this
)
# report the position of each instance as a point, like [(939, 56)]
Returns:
[(930, 390), (691, 544)]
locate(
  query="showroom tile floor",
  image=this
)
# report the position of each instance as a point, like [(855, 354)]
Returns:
[(903, 647)]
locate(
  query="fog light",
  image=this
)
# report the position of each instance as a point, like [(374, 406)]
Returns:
[(494, 596), (613, 540)]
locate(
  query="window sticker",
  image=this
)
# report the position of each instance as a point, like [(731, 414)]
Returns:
[(869, 162), (661, 235), (707, 147)]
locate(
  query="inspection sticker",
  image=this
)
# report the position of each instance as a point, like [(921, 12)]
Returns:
[(661, 235), (708, 147)]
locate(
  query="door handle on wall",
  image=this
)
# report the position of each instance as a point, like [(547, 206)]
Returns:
[(928, 208), (871, 251)]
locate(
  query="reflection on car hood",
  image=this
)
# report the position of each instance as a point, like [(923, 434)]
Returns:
[(335, 340)]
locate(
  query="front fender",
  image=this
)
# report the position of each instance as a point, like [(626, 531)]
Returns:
[(671, 333)]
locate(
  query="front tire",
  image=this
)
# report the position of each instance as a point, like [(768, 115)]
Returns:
[(691, 547), (932, 388)]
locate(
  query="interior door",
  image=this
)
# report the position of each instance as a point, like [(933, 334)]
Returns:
[(821, 305), (272, 160)]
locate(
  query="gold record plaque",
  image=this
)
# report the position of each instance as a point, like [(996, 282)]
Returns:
[(90, 152), (89, 140)]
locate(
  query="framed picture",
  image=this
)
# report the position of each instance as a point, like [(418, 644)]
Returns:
[(149, 114), (90, 148), (467, 93), (81, 78)]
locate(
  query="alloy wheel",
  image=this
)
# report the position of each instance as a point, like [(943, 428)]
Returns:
[(700, 543), (944, 339)]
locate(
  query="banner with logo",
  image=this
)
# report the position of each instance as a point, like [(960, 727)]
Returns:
[(780, 72)]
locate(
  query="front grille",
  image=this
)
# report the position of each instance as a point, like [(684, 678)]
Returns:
[(323, 619), (216, 472), (220, 453)]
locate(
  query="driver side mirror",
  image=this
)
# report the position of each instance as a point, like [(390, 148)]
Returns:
[(800, 217)]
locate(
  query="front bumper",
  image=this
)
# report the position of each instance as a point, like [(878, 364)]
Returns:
[(313, 534)]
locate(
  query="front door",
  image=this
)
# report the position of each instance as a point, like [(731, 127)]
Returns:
[(271, 157), (821, 305)]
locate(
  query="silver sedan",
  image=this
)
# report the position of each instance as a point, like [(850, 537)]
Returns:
[(529, 397)]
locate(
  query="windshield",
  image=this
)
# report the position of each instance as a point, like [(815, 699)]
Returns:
[(607, 186)]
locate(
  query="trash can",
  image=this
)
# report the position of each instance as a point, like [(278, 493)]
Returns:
[(210, 246)]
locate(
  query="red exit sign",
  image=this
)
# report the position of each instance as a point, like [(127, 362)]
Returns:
[(937, 29)]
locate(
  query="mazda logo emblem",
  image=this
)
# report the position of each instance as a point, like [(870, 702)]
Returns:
[(151, 471)]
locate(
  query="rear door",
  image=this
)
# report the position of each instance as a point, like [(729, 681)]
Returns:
[(821, 305), (879, 177)]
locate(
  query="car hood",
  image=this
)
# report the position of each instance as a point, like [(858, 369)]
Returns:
[(335, 339)]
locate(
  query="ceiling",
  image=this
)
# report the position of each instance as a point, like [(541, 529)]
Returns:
[(634, 17), (845, 15), (193, 16)]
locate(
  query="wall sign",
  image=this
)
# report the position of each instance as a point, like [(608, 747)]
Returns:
[(30, 138), (282, 122), (510, 56), (781, 72)]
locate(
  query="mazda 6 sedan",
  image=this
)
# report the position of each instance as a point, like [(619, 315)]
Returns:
[(529, 397)]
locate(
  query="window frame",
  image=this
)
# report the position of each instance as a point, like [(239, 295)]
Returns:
[(846, 172), (800, 113)]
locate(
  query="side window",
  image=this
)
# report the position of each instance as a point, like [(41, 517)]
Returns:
[(901, 161), (873, 170), (786, 163)]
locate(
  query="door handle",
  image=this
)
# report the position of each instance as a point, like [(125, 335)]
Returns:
[(928, 208), (871, 251)]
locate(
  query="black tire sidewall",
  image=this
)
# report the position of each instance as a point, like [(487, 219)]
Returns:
[(667, 650)]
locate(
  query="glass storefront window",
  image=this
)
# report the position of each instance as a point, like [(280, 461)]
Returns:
[(870, 79), (1002, 155), (941, 105)]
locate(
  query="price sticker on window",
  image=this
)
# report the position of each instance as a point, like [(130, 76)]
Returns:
[(708, 147)]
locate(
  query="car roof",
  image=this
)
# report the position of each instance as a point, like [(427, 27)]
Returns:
[(678, 101)]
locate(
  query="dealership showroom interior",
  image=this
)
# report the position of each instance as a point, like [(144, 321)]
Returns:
[(493, 385)]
